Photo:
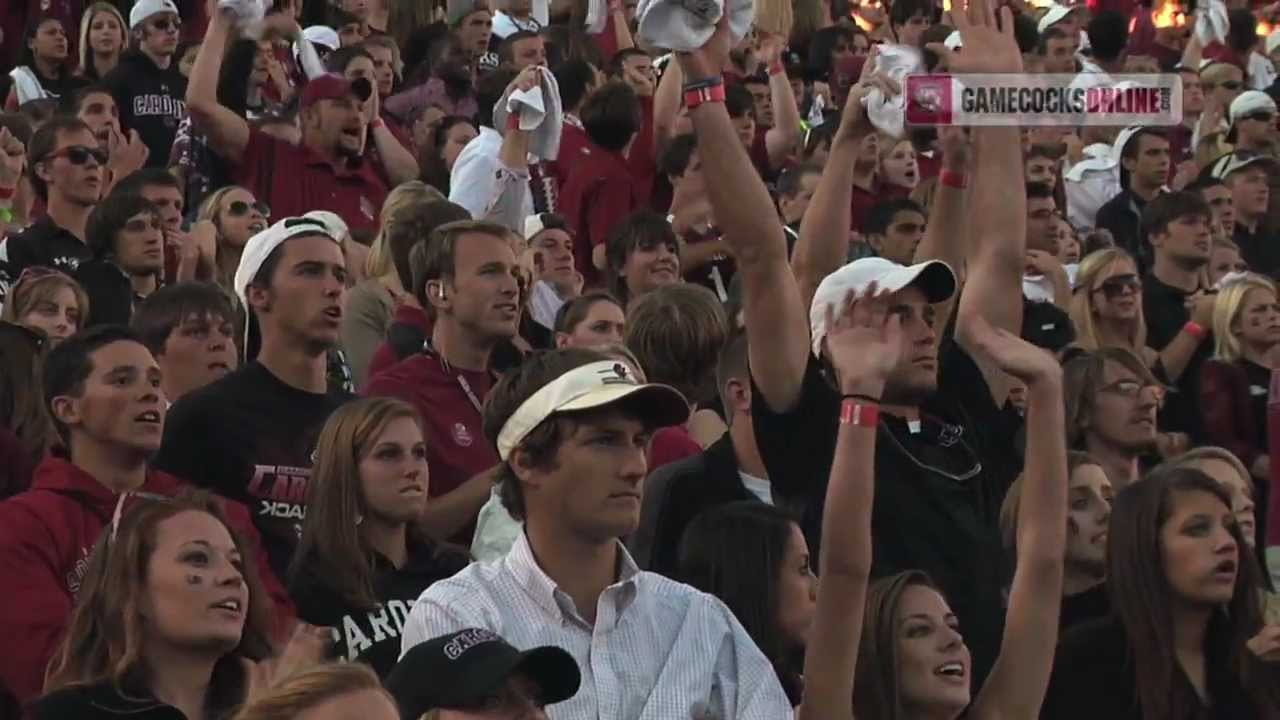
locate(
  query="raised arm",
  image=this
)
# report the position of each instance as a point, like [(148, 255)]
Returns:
[(993, 289), (823, 245), (864, 344), (228, 132), (666, 104), (397, 161), (1020, 677), (780, 139), (946, 236), (777, 321)]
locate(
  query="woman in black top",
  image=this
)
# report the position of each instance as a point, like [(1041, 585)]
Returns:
[(1185, 606), (44, 68), (169, 613), (1089, 493), (357, 569)]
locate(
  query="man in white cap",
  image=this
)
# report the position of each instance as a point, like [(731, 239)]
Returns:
[(147, 86), (572, 428), (945, 446), (1253, 123), (250, 435), (1248, 176)]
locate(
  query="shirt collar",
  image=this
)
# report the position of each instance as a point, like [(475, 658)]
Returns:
[(524, 567)]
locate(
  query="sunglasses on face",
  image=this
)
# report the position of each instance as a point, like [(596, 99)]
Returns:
[(1231, 84), (1118, 285), (240, 208), (166, 24), (1265, 117), (79, 155)]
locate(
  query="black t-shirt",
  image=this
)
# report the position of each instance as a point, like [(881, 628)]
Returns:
[(372, 636), (943, 520), (1082, 607), (43, 243), (1260, 252), (251, 437), (1164, 308)]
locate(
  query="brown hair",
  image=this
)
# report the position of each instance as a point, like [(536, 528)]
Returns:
[(104, 638), (335, 501), (1013, 499), (305, 690), (35, 289), (677, 332), (1082, 377), (877, 692), (21, 400), (542, 443), (437, 258), (575, 310), (1140, 598)]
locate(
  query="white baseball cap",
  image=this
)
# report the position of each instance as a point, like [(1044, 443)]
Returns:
[(934, 277), (144, 9), (1250, 101), (953, 41), (1237, 161), (1054, 15), (337, 226), (260, 246), (1122, 139), (587, 387), (322, 35)]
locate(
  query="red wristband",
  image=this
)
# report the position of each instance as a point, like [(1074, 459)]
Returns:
[(513, 121), (695, 97), (1194, 329), (776, 68), (859, 413), (7, 192), (955, 180)]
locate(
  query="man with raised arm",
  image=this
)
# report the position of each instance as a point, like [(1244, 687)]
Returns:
[(945, 444)]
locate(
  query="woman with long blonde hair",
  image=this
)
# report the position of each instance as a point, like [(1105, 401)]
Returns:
[(1106, 305), (358, 568), (102, 40), (1234, 384), (48, 301), (169, 618), (235, 215), (325, 691)]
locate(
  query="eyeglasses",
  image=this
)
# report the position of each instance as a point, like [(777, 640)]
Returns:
[(164, 24), (240, 208), (1117, 285), (1132, 389), (79, 155)]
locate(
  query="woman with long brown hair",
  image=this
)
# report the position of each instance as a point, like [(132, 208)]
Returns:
[(26, 432), (358, 569), (1185, 605), (169, 617)]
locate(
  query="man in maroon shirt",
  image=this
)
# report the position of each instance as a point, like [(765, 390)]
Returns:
[(577, 79), (601, 190), (329, 169), (470, 288)]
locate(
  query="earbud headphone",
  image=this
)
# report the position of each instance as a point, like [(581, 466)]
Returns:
[(440, 292)]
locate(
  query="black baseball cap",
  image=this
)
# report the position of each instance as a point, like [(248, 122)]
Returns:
[(461, 670)]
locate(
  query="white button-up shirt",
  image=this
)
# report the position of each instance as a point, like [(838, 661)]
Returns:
[(486, 187), (659, 650)]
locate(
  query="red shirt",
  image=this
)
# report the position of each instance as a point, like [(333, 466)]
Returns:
[(599, 192), (385, 355), (574, 146), (643, 159), (860, 205), (293, 180), (669, 445), (456, 447)]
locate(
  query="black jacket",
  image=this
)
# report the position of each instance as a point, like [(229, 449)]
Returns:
[(677, 493), (151, 101), (1122, 216), (100, 702)]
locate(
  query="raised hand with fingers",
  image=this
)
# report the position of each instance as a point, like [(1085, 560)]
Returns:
[(854, 122), (989, 46), (864, 339), (712, 58), (125, 154), (1026, 362)]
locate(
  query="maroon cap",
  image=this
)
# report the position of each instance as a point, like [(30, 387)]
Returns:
[(333, 87)]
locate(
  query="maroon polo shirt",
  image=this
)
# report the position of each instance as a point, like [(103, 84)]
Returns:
[(574, 146), (642, 158), (599, 193), (860, 205), (456, 448), (293, 180)]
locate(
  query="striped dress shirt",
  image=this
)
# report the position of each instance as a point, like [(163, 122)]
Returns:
[(659, 650)]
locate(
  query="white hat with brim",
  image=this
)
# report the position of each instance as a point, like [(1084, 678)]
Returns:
[(144, 9), (1122, 139), (322, 35), (953, 41), (1236, 161), (934, 277), (1250, 101), (260, 246), (591, 387)]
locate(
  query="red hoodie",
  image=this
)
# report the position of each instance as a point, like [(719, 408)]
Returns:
[(46, 535)]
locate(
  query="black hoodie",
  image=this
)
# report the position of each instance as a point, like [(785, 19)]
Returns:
[(151, 101)]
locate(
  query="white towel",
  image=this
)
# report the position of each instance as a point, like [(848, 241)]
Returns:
[(685, 25), (540, 115), (26, 85), (895, 61), (1212, 22), (597, 16), (248, 14)]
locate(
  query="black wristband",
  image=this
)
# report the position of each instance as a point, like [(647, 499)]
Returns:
[(704, 83), (860, 396)]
